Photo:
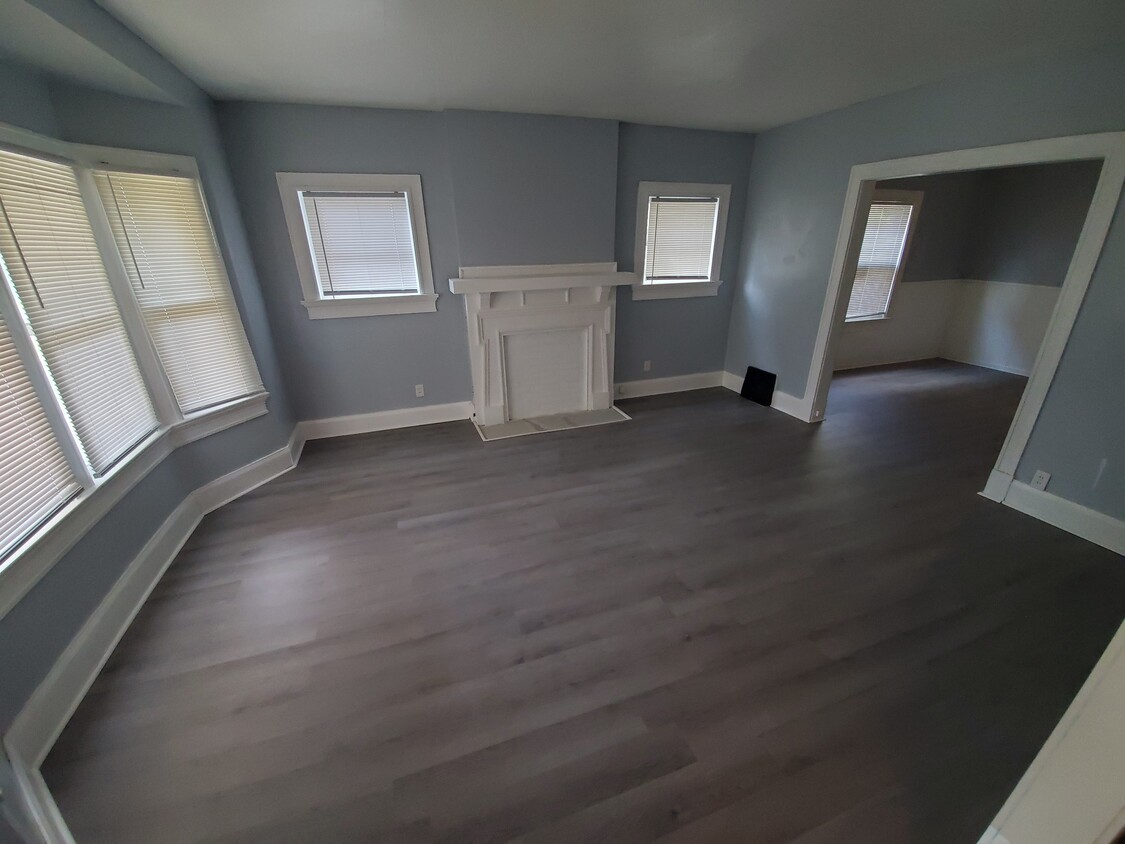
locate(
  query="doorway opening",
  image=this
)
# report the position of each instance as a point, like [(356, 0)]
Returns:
[(891, 195)]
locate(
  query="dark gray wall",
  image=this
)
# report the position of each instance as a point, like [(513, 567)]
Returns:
[(679, 336), (35, 631), (798, 179), (499, 189), (1011, 224), (1028, 221), (337, 367), (945, 225), (532, 189)]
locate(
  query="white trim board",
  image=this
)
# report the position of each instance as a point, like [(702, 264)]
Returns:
[(1098, 528), (384, 420), (671, 384), (1109, 146), (787, 404), (52, 704)]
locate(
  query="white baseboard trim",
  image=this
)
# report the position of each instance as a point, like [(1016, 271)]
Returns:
[(384, 420), (1098, 528), (787, 404), (672, 384), (38, 725)]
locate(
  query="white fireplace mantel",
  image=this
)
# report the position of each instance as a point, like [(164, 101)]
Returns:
[(540, 338)]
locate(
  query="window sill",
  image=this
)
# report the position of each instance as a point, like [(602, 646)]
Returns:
[(873, 318), (23, 569), (361, 306), (687, 290)]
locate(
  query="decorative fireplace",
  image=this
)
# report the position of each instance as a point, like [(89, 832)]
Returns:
[(540, 338)]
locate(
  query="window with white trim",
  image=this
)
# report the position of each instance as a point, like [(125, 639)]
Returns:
[(173, 262), (680, 233), (117, 322), (360, 243), (890, 223)]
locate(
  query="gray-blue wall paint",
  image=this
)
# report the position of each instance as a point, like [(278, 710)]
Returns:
[(679, 336), (532, 189), (1012, 224), (945, 225), (798, 179), (338, 367), (1028, 220), (35, 632), (25, 99)]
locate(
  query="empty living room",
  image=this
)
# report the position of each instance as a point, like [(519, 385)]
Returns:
[(435, 421)]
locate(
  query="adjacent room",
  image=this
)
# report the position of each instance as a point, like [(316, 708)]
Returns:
[(575, 422)]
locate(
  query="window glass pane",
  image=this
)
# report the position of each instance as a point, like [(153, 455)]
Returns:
[(362, 243), (51, 256), (177, 272), (35, 480), (879, 256), (680, 240)]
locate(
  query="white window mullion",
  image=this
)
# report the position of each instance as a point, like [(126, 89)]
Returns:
[(148, 359), (53, 408)]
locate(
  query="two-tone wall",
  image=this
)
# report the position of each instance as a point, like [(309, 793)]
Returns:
[(798, 179), (988, 255)]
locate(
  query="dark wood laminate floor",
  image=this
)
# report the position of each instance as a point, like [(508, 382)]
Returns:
[(712, 623)]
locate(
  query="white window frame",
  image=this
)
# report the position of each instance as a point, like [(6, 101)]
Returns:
[(687, 289), (23, 568), (292, 185), (912, 198)]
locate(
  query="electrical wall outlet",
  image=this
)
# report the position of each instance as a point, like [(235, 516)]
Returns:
[(648, 366), (419, 390), (1040, 479)]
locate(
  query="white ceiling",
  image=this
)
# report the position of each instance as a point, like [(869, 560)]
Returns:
[(737, 64)]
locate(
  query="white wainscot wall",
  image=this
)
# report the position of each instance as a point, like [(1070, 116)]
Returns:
[(998, 325)]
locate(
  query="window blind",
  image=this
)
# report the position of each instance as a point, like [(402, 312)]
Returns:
[(177, 273), (35, 480), (53, 261), (879, 257), (680, 241), (362, 243)]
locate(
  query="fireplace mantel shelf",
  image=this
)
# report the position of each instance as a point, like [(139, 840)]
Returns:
[(542, 277)]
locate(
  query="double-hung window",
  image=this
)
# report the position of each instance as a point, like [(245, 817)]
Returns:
[(117, 323), (680, 233), (890, 223), (360, 243)]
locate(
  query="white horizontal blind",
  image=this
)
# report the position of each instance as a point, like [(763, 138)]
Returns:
[(681, 238), (164, 235), (879, 257), (53, 261), (362, 243), (35, 480)]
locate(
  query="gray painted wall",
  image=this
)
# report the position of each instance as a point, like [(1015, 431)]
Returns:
[(798, 179), (679, 336), (945, 226), (1028, 221), (35, 631), (498, 189), (532, 189), (1011, 224), (338, 367)]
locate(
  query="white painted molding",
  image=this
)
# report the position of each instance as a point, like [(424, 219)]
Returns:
[(1098, 528), (671, 384), (687, 290), (1109, 146), (786, 403), (506, 279), (38, 725), (383, 420), (23, 569), (366, 306)]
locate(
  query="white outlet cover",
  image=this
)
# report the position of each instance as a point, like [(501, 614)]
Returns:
[(419, 390), (1040, 480)]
